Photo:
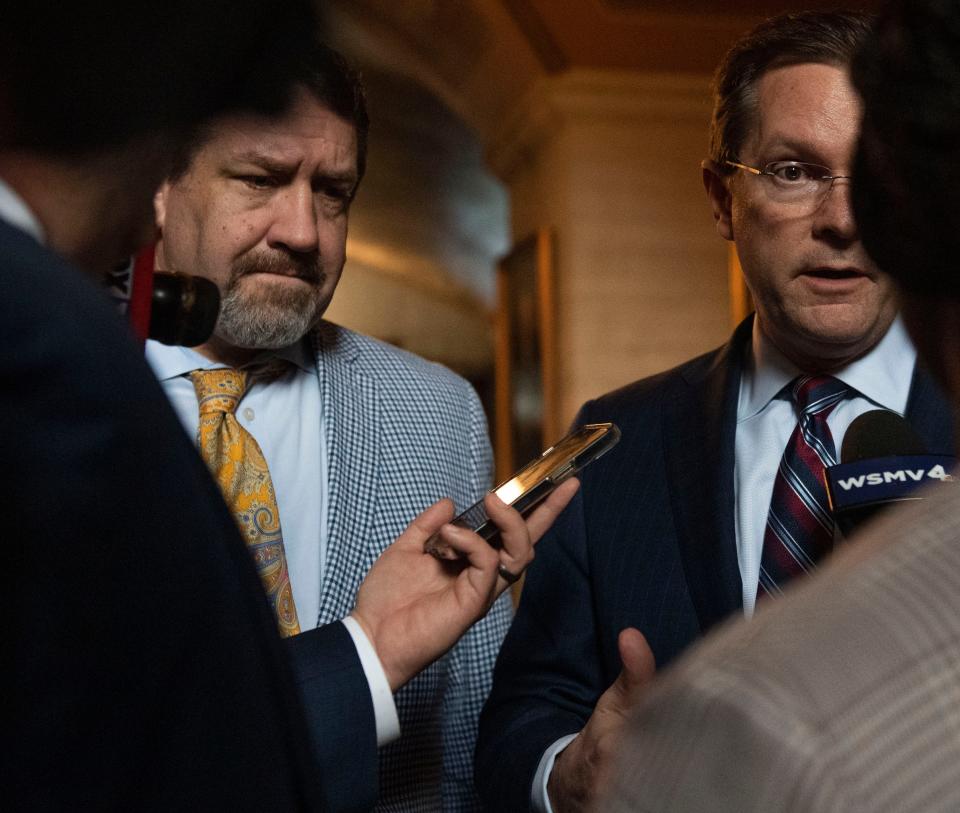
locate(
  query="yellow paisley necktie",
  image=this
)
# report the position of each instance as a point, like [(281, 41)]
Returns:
[(238, 465)]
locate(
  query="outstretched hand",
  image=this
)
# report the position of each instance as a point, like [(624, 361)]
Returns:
[(582, 768), (413, 607)]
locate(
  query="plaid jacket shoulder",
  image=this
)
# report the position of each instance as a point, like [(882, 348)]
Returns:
[(845, 695), (402, 433)]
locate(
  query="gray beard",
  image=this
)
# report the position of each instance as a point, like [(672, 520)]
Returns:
[(274, 317), (266, 323)]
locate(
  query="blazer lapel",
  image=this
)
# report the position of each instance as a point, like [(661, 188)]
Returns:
[(351, 405), (699, 426)]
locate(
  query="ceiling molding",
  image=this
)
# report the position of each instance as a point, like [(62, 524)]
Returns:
[(665, 35)]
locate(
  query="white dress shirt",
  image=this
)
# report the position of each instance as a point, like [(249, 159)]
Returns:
[(285, 416), (766, 417)]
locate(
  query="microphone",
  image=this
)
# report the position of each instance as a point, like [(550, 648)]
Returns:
[(883, 461), (184, 309), (169, 307)]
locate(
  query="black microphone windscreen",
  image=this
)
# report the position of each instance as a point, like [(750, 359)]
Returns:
[(880, 433), (184, 309)]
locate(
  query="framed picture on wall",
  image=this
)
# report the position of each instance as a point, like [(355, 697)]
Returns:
[(525, 366)]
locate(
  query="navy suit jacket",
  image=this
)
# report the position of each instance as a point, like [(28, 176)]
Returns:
[(144, 668), (648, 542)]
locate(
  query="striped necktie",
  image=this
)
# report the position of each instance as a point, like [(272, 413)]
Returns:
[(237, 463), (800, 528)]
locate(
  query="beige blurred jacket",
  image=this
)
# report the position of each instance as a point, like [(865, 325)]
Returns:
[(842, 696)]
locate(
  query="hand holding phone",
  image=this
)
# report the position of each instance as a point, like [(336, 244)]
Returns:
[(530, 485)]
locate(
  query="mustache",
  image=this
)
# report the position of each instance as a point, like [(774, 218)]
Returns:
[(303, 266)]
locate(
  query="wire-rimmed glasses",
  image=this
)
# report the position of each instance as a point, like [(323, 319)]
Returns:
[(793, 182)]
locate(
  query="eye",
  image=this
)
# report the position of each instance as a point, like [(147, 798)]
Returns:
[(336, 193), (791, 172), (258, 182), (336, 197)]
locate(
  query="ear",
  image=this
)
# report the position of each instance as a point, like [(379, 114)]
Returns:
[(719, 196), (160, 204), (160, 215)]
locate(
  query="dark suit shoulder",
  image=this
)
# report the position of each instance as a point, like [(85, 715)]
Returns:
[(148, 629), (648, 393)]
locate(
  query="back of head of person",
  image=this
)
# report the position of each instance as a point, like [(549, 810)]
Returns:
[(907, 175), (94, 96), (146, 672)]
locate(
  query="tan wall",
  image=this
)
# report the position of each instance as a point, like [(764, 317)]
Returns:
[(399, 307), (426, 230), (610, 161)]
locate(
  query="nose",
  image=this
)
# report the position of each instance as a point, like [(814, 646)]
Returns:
[(833, 218), (294, 225)]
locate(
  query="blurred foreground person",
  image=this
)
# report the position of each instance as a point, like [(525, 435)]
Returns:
[(845, 696), (144, 668)]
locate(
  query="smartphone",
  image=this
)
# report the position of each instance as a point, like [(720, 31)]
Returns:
[(530, 485)]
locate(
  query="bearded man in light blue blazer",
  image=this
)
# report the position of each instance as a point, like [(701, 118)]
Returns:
[(359, 436)]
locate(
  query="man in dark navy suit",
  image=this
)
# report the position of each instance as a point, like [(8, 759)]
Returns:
[(703, 509), (846, 694), (144, 668)]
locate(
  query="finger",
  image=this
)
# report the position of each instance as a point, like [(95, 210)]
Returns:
[(471, 547), (516, 549), (477, 582), (639, 664), (502, 582), (632, 682), (539, 522), (427, 523)]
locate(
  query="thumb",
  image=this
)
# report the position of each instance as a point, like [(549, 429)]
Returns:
[(427, 523), (638, 663)]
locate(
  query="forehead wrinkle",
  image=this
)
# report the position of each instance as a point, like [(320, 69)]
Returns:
[(273, 156), (308, 134), (264, 160), (818, 132)]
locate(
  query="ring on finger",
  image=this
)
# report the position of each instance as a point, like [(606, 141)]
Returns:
[(507, 576)]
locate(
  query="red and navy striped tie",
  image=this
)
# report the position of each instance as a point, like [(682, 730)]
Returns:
[(800, 528)]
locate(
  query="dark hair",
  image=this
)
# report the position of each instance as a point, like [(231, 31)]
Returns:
[(326, 74), (85, 76), (906, 188), (329, 77), (828, 37)]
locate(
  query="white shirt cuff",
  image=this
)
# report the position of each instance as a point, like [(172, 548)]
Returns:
[(384, 707), (539, 800)]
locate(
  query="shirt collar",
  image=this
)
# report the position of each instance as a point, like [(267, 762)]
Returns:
[(878, 375), (14, 210), (173, 361)]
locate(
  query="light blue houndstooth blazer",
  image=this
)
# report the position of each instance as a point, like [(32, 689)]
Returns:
[(402, 433)]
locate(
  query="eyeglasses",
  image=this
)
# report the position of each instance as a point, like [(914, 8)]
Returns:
[(794, 181)]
